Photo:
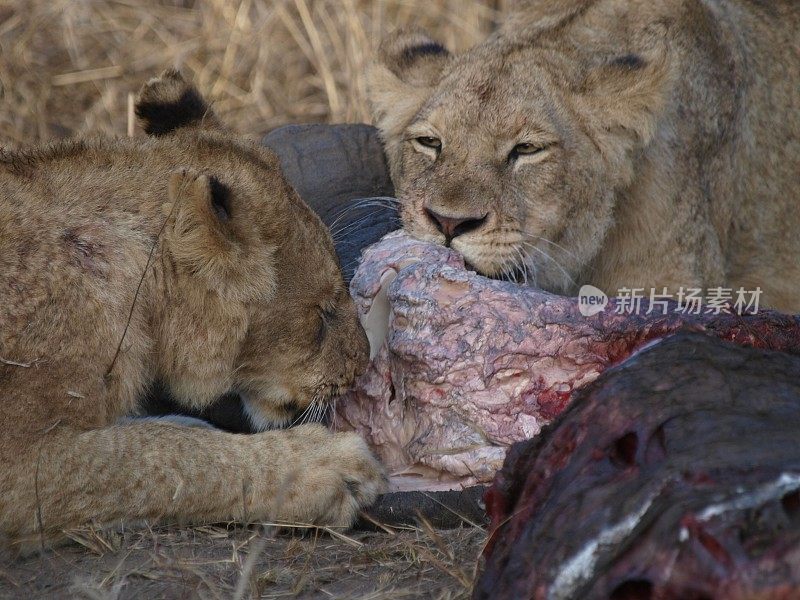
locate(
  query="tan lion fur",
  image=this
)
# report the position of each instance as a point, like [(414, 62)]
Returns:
[(241, 291), (669, 135)]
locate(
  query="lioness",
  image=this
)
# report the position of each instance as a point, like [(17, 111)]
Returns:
[(624, 143), (184, 257)]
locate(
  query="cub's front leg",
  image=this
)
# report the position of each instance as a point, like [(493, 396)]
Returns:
[(156, 470)]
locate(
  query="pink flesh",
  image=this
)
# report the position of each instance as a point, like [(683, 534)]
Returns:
[(471, 365)]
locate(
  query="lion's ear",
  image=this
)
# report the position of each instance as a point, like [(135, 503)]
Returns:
[(168, 102), (209, 241), (408, 66), (625, 96)]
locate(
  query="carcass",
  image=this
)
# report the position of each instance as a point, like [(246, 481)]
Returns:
[(465, 366), (675, 475)]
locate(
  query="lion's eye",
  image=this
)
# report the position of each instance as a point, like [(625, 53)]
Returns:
[(430, 142), (524, 150), (322, 329), (326, 317)]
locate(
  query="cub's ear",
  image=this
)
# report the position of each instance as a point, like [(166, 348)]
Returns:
[(210, 241), (624, 97), (168, 102), (408, 66)]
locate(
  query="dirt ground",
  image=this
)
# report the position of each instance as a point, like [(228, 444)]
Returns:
[(248, 562)]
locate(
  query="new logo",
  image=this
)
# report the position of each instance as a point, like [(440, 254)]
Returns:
[(591, 300)]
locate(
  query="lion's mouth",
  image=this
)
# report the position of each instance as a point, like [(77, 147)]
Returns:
[(277, 407), (501, 270), (310, 405), (508, 267)]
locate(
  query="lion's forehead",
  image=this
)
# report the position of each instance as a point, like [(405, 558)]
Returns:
[(513, 114), (497, 100)]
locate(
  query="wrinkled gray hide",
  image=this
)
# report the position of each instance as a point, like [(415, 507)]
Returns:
[(335, 169)]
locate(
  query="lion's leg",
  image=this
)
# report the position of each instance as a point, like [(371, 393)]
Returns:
[(156, 470)]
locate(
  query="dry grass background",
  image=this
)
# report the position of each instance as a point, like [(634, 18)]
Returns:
[(68, 66)]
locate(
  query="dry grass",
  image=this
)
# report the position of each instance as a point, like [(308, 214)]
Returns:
[(68, 66), (238, 563)]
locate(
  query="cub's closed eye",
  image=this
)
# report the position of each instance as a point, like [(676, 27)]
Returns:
[(525, 150), (430, 142), (322, 330), (326, 317)]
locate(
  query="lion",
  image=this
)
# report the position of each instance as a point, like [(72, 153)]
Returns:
[(183, 257), (621, 143)]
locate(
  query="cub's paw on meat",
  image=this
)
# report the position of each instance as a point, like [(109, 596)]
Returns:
[(331, 477)]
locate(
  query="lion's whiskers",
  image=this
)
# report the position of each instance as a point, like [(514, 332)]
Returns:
[(519, 264), (300, 420), (567, 276), (569, 253), (336, 233), (349, 227), (380, 202)]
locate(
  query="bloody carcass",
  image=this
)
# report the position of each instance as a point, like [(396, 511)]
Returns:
[(675, 475), (464, 366)]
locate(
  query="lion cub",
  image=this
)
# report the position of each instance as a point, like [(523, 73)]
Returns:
[(184, 257)]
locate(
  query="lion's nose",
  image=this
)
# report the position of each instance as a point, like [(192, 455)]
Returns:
[(454, 226)]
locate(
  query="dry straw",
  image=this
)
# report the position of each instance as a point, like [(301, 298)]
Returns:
[(67, 67)]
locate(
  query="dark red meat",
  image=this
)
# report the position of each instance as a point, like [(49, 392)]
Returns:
[(675, 475)]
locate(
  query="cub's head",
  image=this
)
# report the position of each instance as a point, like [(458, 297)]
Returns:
[(255, 299), (515, 152)]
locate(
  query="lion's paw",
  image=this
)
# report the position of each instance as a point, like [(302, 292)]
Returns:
[(335, 476)]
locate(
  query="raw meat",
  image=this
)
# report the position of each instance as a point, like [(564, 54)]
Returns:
[(675, 475), (471, 365)]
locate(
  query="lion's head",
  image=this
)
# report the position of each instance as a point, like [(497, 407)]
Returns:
[(516, 152), (255, 299)]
